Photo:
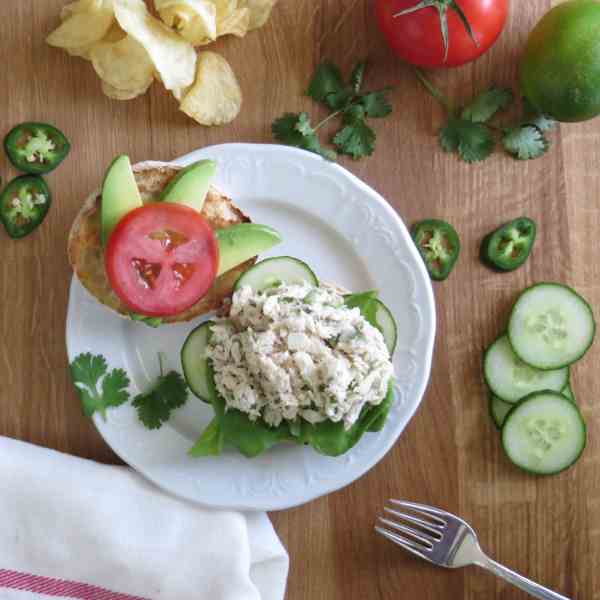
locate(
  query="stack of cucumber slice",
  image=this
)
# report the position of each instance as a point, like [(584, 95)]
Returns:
[(528, 372)]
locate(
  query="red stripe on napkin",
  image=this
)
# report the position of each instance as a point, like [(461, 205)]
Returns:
[(58, 587)]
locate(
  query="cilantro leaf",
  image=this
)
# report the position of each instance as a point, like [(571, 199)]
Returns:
[(88, 371), (484, 106), (284, 129), (472, 141), (356, 139), (532, 116), (376, 104), (343, 97), (114, 387), (295, 130), (339, 100), (357, 76), (326, 80), (354, 114), (155, 406), (525, 142), (303, 125), (542, 122)]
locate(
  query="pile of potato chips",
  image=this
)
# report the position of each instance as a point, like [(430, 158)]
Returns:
[(129, 48)]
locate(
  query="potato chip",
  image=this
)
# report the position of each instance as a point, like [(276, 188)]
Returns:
[(124, 65), (68, 10), (115, 34), (225, 8), (82, 28), (194, 20), (83, 6), (80, 52), (116, 94), (236, 23), (216, 97), (179, 93), (260, 11), (174, 58)]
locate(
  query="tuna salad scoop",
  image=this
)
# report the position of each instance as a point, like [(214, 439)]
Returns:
[(298, 352)]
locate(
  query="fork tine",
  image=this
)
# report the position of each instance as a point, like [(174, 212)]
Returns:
[(402, 542), (429, 511), (432, 528), (425, 539)]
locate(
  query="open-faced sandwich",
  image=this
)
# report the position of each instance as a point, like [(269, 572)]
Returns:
[(294, 360), (158, 243), (289, 359)]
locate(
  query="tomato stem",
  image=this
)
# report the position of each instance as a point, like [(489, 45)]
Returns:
[(442, 7), (437, 94), (459, 11)]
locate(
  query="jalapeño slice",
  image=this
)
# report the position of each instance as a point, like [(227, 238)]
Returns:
[(509, 246), (36, 148), (24, 204), (439, 245)]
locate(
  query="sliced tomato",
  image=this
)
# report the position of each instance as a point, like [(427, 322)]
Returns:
[(161, 259)]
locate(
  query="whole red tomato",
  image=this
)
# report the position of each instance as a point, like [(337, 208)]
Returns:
[(441, 33)]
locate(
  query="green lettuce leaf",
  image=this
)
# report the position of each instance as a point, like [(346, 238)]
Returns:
[(332, 439), (210, 442), (252, 438)]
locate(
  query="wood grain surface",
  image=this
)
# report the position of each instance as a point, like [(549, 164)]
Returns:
[(449, 455)]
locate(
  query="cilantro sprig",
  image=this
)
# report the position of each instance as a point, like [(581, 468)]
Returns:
[(155, 406), (98, 388), (345, 100), (469, 133)]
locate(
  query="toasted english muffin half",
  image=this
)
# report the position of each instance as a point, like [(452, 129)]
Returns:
[(86, 254)]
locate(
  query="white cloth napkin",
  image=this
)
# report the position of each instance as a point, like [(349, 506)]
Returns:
[(73, 528)]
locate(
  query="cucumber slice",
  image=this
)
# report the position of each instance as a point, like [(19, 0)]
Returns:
[(195, 363), (272, 272), (551, 326), (387, 325), (498, 410), (544, 433), (567, 392), (511, 379)]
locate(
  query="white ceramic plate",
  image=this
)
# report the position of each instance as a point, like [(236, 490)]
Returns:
[(349, 235)]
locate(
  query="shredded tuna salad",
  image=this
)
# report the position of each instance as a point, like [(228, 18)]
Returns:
[(297, 351)]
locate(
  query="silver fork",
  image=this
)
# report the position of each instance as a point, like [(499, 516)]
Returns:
[(446, 540)]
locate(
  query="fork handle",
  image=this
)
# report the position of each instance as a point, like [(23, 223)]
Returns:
[(535, 589)]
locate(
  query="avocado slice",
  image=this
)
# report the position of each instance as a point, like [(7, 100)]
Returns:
[(190, 185), (241, 242), (120, 194)]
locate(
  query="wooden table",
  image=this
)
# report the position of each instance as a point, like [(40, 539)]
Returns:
[(449, 454)]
